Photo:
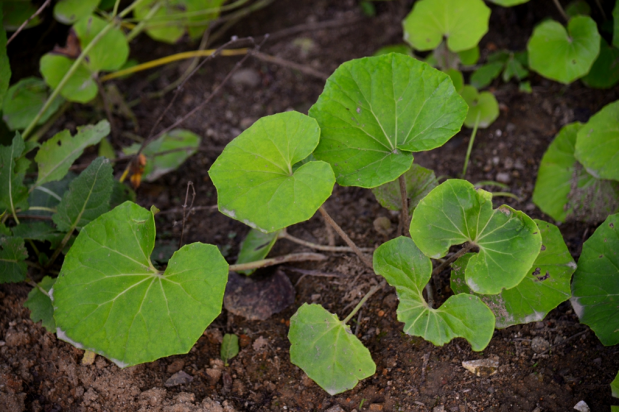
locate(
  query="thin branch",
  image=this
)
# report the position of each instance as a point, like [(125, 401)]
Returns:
[(191, 210), (291, 65), (361, 303), (24, 24), (470, 145), (305, 272), (329, 24), (430, 300), (345, 237), (561, 9), (294, 257), (189, 184), (469, 246), (404, 206), (285, 235)]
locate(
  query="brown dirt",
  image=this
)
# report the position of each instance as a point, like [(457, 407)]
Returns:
[(40, 373)]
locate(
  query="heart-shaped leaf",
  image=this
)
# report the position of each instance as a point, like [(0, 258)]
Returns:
[(110, 299), (462, 22), (256, 246), (230, 347), (23, 101), (561, 55), (327, 351), (79, 88), (545, 287), (70, 11), (404, 266), (40, 305), (254, 175), (455, 212), (597, 143), (604, 71), (595, 284), (483, 107), (376, 110), (419, 181), (110, 52)]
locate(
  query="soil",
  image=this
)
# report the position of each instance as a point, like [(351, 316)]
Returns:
[(38, 372)]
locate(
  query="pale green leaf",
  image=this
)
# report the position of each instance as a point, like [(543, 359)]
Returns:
[(419, 181), (79, 88), (326, 350), (595, 284), (462, 22), (564, 56), (24, 100), (376, 110), (469, 57), (13, 253), (57, 154), (394, 48), (597, 143), (404, 266), (110, 52), (614, 384), (230, 347), (254, 175), (483, 107), (13, 193), (110, 299), (40, 305), (457, 79), (70, 11), (604, 71), (87, 198), (454, 213), (256, 246)]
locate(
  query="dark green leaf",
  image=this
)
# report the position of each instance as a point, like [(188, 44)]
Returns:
[(13, 253), (256, 246), (604, 71), (24, 100), (419, 181), (16, 12), (40, 305), (40, 231), (5, 67), (484, 75), (578, 8), (13, 193)]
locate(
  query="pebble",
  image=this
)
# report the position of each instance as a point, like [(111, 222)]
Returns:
[(582, 407), (375, 407), (335, 408), (503, 177), (246, 77), (179, 378), (175, 366), (482, 367), (539, 344), (391, 301), (439, 408), (260, 344), (382, 225), (214, 375)]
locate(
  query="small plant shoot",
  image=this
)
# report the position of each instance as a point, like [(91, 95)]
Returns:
[(230, 347), (483, 107), (419, 181)]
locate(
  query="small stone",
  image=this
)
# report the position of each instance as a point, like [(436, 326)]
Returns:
[(179, 378), (375, 407), (315, 296), (539, 344), (260, 344), (503, 177), (582, 407), (154, 396), (214, 336), (508, 163), (537, 409), (335, 408), (244, 341), (391, 301), (175, 366), (209, 405), (482, 367), (14, 338), (214, 375), (382, 225), (246, 77), (439, 408), (217, 363), (101, 363), (185, 397)]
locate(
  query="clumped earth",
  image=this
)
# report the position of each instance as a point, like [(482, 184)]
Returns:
[(543, 366)]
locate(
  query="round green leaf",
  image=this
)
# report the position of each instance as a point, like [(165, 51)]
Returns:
[(595, 284), (110, 299), (604, 71), (545, 287), (79, 88), (110, 52), (23, 101), (455, 212), (561, 55), (462, 22), (597, 143), (419, 181), (376, 110), (327, 351), (254, 175), (230, 347), (404, 266), (483, 107), (70, 11)]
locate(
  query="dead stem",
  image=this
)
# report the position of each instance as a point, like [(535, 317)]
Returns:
[(294, 257), (345, 237), (285, 235), (469, 246), (404, 206), (359, 305), (185, 206)]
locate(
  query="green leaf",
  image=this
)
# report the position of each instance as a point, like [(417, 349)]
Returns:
[(40, 305), (544, 288), (561, 55), (49, 195), (120, 194), (254, 175), (230, 347), (79, 88), (462, 22), (24, 100), (324, 347), (454, 213), (158, 165), (483, 107), (394, 48), (13, 253), (614, 41), (175, 17), (70, 11), (376, 110), (578, 8), (514, 67), (404, 266), (16, 12), (595, 284), (604, 71), (614, 384), (110, 299), (13, 193), (40, 231), (525, 87), (469, 57), (5, 67), (110, 52), (58, 153), (508, 3), (256, 246), (484, 75), (419, 181), (597, 143), (457, 79), (88, 197)]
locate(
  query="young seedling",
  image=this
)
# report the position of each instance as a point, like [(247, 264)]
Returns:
[(230, 347)]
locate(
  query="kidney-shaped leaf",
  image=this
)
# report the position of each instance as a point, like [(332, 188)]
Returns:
[(595, 284), (110, 299), (375, 110), (561, 55), (455, 212), (110, 52), (406, 268), (327, 351), (545, 287), (79, 88), (254, 175), (462, 22), (597, 143), (483, 107), (419, 181)]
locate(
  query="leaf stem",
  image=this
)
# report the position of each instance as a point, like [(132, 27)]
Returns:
[(470, 145), (346, 238), (42, 209), (285, 235), (294, 257), (361, 303), (430, 301), (561, 9), (469, 246), (404, 206)]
